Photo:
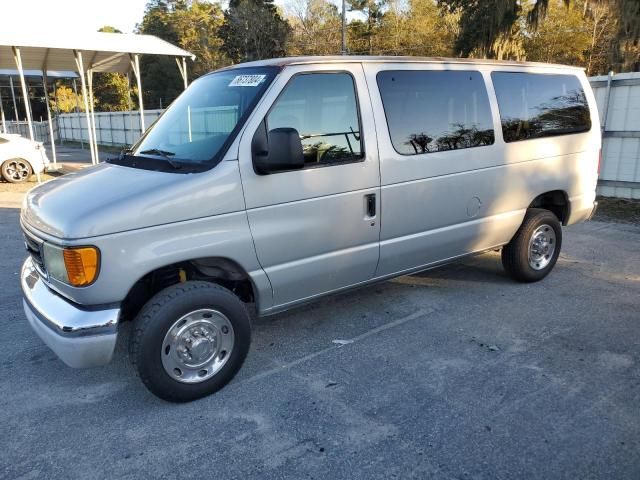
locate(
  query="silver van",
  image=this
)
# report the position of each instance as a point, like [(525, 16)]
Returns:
[(273, 183)]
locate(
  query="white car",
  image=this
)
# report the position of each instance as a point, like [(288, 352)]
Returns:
[(20, 158)]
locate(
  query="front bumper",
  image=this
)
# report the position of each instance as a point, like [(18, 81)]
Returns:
[(79, 337)]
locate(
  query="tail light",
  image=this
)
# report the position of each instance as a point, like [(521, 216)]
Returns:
[(599, 160)]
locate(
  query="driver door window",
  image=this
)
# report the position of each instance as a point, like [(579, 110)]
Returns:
[(322, 107)]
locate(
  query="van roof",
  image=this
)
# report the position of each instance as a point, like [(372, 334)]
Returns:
[(284, 61)]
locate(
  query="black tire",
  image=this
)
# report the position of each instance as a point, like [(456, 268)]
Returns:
[(158, 316), (515, 255), (16, 170)]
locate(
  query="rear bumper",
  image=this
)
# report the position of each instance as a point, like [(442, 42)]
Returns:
[(79, 337), (583, 207)]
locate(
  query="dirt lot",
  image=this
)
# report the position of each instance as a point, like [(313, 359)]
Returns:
[(25, 186), (618, 210), (457, 373)]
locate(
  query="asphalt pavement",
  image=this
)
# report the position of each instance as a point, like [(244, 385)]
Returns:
[(455, 373)]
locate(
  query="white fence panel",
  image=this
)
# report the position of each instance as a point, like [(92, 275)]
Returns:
[(120, 129), (40, 130), (619, 97)]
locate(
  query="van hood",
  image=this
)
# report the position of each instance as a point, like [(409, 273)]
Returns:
[(110, 198)]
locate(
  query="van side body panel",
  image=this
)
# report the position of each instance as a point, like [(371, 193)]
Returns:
[(310, 226), (445, 204)]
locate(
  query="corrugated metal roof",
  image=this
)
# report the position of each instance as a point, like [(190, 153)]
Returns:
[(104, 52)]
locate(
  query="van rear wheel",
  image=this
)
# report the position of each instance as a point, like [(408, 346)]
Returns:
[(190, 340), (534, 250)]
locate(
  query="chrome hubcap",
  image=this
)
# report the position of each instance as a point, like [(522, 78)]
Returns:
[(541, 247), (197, 346), (17, 170)]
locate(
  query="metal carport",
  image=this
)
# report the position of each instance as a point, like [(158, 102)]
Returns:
[(85, 54)]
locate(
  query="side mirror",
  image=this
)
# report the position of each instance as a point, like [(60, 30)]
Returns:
[(276, 151)]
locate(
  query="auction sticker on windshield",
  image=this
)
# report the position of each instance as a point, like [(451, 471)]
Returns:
[(247, 80)]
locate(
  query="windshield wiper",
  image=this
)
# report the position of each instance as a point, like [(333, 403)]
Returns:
[(164, 154)]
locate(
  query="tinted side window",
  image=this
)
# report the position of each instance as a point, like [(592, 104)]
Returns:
[(536, 105), (429, 111), (322, 107)]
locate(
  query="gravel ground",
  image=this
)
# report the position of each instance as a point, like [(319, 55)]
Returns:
[(618, 210), (456, 373)]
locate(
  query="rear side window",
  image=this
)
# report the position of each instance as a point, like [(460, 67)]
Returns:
[(537, 105), (433, 111), (323, 108)]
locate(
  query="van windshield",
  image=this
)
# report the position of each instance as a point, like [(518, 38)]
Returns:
[(195, 131)]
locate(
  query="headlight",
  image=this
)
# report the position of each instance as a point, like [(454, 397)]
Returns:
[(76, 266)]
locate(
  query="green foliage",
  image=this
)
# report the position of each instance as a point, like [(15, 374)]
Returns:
[(110, 90), (197, 30), (192, 25), (487, 24), (252, 30), (366, 30), (595, 34), (420, 29), (575, 35), (482, 23), (315, 28), (161, 80), (65, 99)]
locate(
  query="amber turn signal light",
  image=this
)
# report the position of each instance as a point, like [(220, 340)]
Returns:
[(82, 265)]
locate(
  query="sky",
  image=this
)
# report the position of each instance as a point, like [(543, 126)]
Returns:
[(79, 15)]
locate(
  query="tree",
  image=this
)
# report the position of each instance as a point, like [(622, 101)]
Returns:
[(366, 31), (252, 30), (65, 99), (111, 91), (196, 29), (421, 29), (161, 79), (483, 22), (315, 28), (193, 25), (580, 34)]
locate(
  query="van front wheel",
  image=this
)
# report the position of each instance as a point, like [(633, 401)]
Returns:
[(190, 340), (534, 250)]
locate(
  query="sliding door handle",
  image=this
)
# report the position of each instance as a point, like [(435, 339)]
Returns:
[(370, 205)]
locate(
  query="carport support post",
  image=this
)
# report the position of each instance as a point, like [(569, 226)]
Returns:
[(135, 65), (13, 97), (25, 93), (4, 122), (182, 66), (93, 115), (46, 100), (83, 83), (75, 91)]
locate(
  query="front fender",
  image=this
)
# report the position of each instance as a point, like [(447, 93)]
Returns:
[(128, 256)]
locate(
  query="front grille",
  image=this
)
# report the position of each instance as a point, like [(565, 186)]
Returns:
[(34, 247)]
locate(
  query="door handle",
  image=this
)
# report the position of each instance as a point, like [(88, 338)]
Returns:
[(370, 205)]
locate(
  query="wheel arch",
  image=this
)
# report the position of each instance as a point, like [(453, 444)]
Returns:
[(219, 270), (556, 201)]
